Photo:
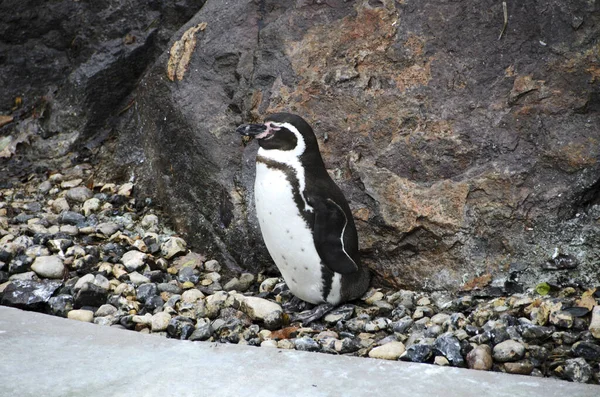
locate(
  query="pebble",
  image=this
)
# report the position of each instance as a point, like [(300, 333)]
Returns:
[(389, 351), (260, 309), (107, 228), (448, 346), (138, 279), (81, 315), (418, 353), (91, 206), (268, 343), (105, 310), (578, 370), (172, 247), (480, 358), (192, 295), (160, 322), (60, 205), (212, 266), (441, 361), (519, 368), (509, 350), (79, 194), (133, 260), (48, 266), (595, 322), (306, 344)]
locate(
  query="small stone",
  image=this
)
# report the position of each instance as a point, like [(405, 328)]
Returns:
[(192, 295), (441, 361), (519, 368), (561, 319), (48, 266), (106, 310), (260, 309), (71, 218), (285, 344), (59, 205), (306, 344), (212, 266), (373, 296), (401, 326), (232, 285), (480, 358), (180, 328), (92, 294), (133, 260), (448, 346), (342, 313), (70, 230), (45, 187), (125, 189), (267, 285), (535, 333), (587, 350), (268, 343), (440, 318), (146, 291), (578, 370), (172, 247), (70, 184), (138, 279), (188, 274), (245, 281), (79, 194), (107, 228), (508, 350), (61, 305), (81, 315), (203, 331), (389, 351), (595, 322), (91, 206), (150, 222), (160, 321), (379, 324), (419, 353)]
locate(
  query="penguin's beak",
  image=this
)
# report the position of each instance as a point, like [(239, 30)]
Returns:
[(251, 130)]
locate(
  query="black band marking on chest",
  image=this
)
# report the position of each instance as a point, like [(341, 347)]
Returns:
[(290, 175)]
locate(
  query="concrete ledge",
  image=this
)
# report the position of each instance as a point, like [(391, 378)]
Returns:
[(50, 356)]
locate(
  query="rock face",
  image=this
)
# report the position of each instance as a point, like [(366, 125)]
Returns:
[(469, 160), (459, 152), (73, 63)]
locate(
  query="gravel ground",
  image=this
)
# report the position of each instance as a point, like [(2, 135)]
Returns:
[(78, 248)]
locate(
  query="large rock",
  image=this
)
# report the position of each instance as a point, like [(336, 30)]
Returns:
[(459, 152), (29, 294), (72, 64)]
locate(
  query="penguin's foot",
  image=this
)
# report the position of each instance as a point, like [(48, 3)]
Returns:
[(308, 316)]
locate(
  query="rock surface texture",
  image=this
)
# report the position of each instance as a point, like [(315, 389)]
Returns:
[(469, 160)]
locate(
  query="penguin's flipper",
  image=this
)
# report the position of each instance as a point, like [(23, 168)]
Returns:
[(329, 227)]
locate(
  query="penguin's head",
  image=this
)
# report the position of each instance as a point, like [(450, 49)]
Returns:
[(282, 131)]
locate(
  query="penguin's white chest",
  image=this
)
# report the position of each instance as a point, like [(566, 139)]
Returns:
[(286, 234)]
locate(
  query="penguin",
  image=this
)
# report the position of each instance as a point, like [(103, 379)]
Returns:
[(304, 218)]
